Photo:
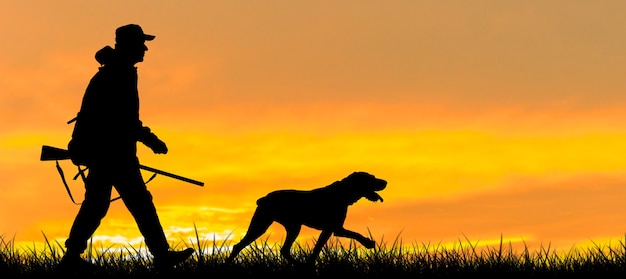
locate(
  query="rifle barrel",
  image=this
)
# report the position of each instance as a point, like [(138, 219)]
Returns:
[(172, 175)]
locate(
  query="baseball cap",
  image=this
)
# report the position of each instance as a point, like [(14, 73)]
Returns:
[(131, 33)]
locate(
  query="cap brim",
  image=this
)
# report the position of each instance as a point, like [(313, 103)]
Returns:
[(149, 37)]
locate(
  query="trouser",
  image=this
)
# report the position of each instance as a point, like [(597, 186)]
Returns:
[(128, 182)]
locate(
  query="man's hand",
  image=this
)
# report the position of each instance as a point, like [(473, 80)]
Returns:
[(158, 146), (152, 141)]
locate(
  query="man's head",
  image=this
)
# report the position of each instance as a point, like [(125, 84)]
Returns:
[(130, 41)]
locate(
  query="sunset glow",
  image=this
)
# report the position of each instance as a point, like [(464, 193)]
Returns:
[(489, 121)]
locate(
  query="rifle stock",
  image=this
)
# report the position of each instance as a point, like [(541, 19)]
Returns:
[(49, 153)]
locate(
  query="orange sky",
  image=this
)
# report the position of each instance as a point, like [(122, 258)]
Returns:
[(487, 118)]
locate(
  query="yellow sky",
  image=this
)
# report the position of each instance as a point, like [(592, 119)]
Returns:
[(487, 118)]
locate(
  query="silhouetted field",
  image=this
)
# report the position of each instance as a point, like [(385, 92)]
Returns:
[(388, 260)]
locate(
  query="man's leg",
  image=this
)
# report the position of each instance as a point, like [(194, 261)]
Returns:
[(138, 200), (92, 210)]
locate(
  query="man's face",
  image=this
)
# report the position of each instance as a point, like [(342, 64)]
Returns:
[(134, 52)]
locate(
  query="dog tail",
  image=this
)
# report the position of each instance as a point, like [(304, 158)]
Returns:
[(262, 201)]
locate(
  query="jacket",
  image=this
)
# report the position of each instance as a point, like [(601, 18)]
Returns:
[(107, 126)]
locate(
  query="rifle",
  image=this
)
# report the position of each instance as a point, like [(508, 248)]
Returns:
[(49, 153)]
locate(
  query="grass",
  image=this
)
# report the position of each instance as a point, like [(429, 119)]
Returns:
[(387, 260)]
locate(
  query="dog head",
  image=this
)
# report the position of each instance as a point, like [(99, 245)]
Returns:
[(363, 185)]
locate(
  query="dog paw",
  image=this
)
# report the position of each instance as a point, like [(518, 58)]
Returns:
[(369, 244)]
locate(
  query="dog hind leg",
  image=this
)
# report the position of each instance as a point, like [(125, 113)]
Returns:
[(292, 234), (258, 225)]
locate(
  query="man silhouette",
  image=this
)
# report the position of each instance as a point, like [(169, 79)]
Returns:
[(104, 139)]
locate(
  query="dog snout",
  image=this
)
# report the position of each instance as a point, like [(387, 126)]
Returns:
[(381, 185)]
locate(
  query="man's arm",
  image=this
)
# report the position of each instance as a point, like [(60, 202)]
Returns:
[(152, 141)]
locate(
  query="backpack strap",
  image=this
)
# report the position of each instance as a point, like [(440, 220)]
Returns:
[(73, 119)]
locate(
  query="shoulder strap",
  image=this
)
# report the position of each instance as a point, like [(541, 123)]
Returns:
[(67, 188), (81, 173)]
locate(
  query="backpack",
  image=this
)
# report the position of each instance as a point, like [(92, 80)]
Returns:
[(79, 152)]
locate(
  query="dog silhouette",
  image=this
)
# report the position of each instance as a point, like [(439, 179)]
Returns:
[(323, 209)]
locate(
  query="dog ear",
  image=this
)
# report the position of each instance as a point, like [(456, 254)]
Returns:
[(358, 174), (350, 177)]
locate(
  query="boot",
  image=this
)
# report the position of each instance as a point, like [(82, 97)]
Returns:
[(73, 263), (171, 258)]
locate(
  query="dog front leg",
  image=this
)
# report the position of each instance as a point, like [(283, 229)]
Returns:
[(366, 242), (321, 240)]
